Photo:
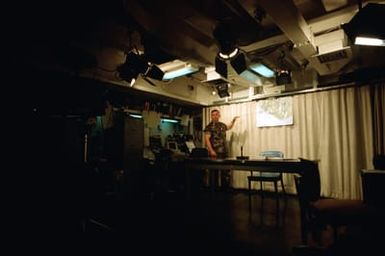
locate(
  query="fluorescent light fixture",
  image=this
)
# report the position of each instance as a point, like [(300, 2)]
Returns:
[(135, 116), (180, 72), (176, 68), (262, 70), (167, 120), (250, 76), (369, 41)]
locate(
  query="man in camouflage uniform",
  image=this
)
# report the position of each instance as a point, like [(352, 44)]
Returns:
[(215, 139)]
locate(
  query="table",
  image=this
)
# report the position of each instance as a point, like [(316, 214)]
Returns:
[(298, 166)]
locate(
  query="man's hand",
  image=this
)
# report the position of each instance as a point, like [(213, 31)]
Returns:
[(212, 153), (229, 126)]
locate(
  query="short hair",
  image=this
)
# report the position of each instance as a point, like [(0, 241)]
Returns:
[(214, 110)]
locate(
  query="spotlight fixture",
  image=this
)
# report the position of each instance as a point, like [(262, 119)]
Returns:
[(154, 72), (238, 62), (130, 69), (283, 76), (135, 65), (231, 54), (364, 28), (221, 66), (228, 50), (223, 90)]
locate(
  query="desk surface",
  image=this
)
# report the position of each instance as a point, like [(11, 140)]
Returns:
[(275, 165)]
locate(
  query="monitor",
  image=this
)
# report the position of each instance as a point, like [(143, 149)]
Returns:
[(190, 145), (172, 145)]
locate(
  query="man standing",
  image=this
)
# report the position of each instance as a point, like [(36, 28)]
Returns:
[(215, 139)]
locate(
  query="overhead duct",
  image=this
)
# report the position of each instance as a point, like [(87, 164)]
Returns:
[(301, 33), (333, 49)]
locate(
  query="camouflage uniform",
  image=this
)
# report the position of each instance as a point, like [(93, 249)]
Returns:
[(217, 132)]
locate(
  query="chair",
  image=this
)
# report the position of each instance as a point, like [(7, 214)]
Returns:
[(374, 193), (263, 176), (317, 213), (373, 188), (379, 162), (197, 177)]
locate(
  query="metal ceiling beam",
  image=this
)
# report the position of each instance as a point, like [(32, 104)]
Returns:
[(165, 28), (288, 18), (274, 40), (332, 20)]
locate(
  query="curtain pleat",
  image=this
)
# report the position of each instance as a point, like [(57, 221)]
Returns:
[(379, 117)]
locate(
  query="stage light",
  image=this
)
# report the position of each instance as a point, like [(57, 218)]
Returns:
[(231, 54), (154, 72), (238, 62), (223, 90), (283, 76), (135, 65), (221, 66), (364, 28), (228, 49)]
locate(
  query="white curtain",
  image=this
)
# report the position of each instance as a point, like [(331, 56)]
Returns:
[(334, 127)]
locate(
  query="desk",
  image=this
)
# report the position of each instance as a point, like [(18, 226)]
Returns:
[(299, 166), (271, 165)]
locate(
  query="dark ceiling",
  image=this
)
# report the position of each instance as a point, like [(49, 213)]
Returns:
[(65, 34)]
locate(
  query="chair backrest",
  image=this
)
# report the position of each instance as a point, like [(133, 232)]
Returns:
[(199, 152), (373, 187), (271, 153), (308, 185), (379, 162)]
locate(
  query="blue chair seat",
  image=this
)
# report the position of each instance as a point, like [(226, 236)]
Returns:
[(263, 176)]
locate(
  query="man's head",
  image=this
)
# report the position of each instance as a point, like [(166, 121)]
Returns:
[(215, 115)]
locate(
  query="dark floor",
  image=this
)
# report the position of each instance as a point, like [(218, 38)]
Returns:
[(218, 223), (162, 222)]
